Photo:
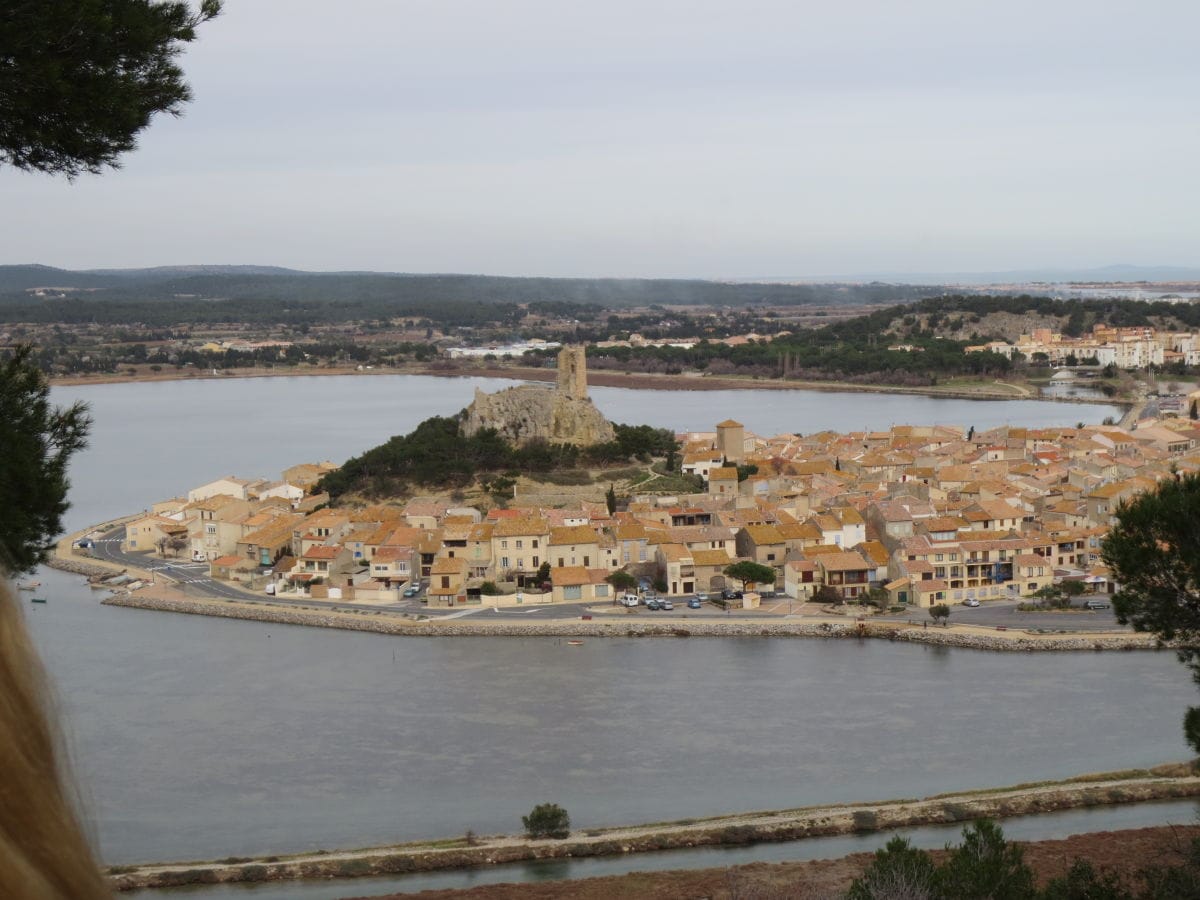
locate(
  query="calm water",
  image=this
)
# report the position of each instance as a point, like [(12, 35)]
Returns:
[(199, 737)]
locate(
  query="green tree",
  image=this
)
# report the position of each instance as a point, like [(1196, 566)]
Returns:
[(622, 581), (1083, 882), (38, 441), (547, 820), (898, 870), (750, 573), (828, 595), (1153, 551), (940, 612), (610, 499), (985, 867), (79, 79), (543, 572)]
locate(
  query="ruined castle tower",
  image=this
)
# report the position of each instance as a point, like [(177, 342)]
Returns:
[(562, 415), (572, 372)]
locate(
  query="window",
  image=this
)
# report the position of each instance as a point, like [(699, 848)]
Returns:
[(504, 545), (504, 562), (938, 557), (520, 544), (535, 540), (535, 562), (587, 560)]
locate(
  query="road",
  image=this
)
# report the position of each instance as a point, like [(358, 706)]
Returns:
[(1004, 613), (194, 579)]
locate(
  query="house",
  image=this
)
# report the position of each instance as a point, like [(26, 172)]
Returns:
[(579, 584), (447, 581), (151, 532), (519, 547), (723, 482), (846, 572), (573, 545)]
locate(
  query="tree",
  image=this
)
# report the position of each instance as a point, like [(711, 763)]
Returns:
[(610, 499), (547, 820), (1083, 882), (750, 573), (79, 79), (940, 612), (898, 871), (622, 581), (828, 595), (1192, 413), (985, 866), (38, 441), (543, 572), (1154, 553)]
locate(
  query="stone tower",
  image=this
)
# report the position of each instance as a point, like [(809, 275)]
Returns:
[(572, 372), (731, 440)]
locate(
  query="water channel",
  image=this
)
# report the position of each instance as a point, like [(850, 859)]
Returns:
[(201, 738)]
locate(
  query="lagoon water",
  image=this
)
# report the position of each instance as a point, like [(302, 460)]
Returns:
[(196, 737)]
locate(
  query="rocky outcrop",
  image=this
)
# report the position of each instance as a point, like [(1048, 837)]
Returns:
[(559, 415), (527, 413)]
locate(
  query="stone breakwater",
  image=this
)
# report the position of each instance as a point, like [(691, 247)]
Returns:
[(744, 828), (381, 623), (78, 567)]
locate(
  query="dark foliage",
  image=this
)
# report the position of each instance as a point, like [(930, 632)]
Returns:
[(37, 441), (437, 454), (79, 79)]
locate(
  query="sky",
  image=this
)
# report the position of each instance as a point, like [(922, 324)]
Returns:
[(654, 138)]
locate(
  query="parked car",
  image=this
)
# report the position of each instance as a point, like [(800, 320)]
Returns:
[(413, 589), (970, 601), (727, 594), (629, 600), (666, 604), (1096, 604), (694, 603), (701, 596), (652, 604)]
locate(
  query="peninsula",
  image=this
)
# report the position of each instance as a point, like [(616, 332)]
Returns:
[(522, 502)]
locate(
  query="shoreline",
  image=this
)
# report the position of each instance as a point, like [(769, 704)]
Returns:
[(1173, 781), (966, 637), (602, 622), (603, 378)]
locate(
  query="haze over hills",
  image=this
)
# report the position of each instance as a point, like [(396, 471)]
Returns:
[(1120, 272)]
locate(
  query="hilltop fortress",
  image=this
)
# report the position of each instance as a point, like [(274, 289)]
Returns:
[(563, 414)]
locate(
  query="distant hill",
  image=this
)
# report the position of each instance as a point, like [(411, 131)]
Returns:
[(363, 295), (1113, 273)]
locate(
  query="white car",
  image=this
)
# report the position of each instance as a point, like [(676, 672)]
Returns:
[(970, 601)]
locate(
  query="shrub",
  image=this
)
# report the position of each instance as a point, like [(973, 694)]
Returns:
[(547, 820)]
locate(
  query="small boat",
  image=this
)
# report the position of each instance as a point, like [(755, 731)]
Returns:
[(574, 643), (37, 599), (29, 585)]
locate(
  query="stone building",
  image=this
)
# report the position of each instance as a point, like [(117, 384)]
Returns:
[(563, 414)]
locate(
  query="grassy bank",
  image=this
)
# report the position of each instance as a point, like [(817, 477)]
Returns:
[(1098, 789)]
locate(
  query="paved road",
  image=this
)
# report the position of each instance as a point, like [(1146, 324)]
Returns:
[(194, 579), (1005, 613)]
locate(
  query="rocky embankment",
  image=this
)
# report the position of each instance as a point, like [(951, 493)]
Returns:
[(78, 567), (1168, 782), (383, 623)]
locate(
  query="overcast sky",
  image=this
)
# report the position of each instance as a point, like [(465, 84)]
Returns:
[(690, 138)]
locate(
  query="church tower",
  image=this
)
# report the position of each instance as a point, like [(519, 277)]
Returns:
[(572, 372)]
